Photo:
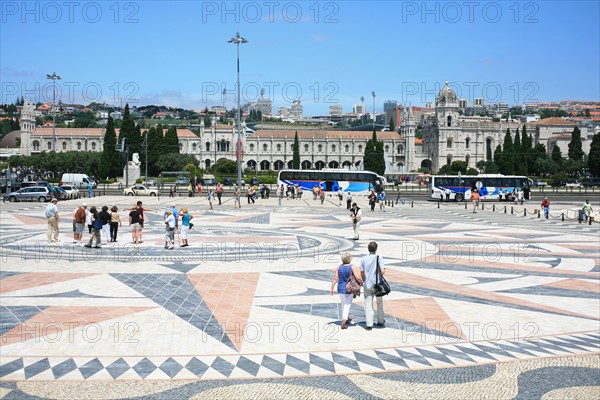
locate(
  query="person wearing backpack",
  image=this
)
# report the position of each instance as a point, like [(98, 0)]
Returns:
[(96, 228)]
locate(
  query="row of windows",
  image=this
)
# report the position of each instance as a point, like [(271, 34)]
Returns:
[(36, 145), (225, 146)]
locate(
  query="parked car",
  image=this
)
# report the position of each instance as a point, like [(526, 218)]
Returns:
[(559, 183), (72, 191), (228, 181), (182, 181), (32, 193), (140, 190), (209, 182), (591, 182), (573, 184), (254, 181), (539, 183), (59, 193), (151, 182)]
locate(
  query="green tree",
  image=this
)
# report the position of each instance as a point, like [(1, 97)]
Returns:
[(392, 125), (507, 163), (171, 142), (488, 153), (128, 132), (594, 156), (224, 167), (575, 147), (557, 155), (526, 150), (497, 155), (517, 156), (296, 156), (155, 148), (544, 165), (85, 119), (175, 162), (374, 156), (110, 162)]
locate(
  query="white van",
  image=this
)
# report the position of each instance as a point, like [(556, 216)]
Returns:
[(79, 180)]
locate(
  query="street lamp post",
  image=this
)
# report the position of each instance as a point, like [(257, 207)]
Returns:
[(237, 40), (53, 77), (373, 94)]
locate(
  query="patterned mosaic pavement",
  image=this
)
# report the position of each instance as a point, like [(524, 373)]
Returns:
[(478, 300)]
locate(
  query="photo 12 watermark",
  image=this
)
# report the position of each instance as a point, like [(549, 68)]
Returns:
[(71, 92), (54, 12), (457, 12), (252, 12), (289, 92)]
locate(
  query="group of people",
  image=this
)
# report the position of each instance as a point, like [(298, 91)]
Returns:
[(365, 275), (585, 212)]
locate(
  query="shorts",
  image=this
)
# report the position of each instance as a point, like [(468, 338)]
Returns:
[(185, 229), (136, 227), (79, 228), (74, 227), (170, 235)]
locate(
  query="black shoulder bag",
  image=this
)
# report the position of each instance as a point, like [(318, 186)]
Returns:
[(381, 287)]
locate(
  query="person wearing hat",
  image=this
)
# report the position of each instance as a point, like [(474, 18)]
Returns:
[(79, 220), (53, 220)]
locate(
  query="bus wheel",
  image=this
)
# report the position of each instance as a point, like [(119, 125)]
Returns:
[(459, 197)]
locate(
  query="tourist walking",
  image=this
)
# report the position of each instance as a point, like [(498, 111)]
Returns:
[(356, 216), (236, 197), (115, 223), (342, 273), (587, 211), (381, 201), (79, 219), (51, 212), (475, 200), (96, 229), (368, 268), (546, 207), (169, 230), (186, 217), (134, 222), (348, 200), (372, 200), (219, 190), (105, 221), (209, 197)]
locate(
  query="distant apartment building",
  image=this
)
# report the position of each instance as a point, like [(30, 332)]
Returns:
[(478, 102), (336, 110), (264, 105), (296, 109), (390, 105), (530, 117), (358, 109)]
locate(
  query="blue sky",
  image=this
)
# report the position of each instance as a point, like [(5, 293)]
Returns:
[(176, 53)]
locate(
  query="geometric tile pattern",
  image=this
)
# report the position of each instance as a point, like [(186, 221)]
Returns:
[(298, 364)]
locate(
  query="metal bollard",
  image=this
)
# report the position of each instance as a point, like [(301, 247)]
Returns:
[(493, 207), (438, 204), (412, 204), (511, 210), (465, 205), (562, 217), (539, 213), (504, 209), (525, 212)]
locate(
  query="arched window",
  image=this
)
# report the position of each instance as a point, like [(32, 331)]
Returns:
[(180, 147), (278, 147), (49, 145), (449, 143), (333, 148), (489, 151), (306, 147), (78, 145), (265, 147), (93, 145), (387, 148), (252, 147), (400, 149), (467, 143), (207, 146), (194, 147), (64, 145), (360, 148), (449, 120), (36, 145), (320, 147), (347, 148)]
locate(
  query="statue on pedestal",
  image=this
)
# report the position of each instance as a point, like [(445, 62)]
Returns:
[(132, 170)]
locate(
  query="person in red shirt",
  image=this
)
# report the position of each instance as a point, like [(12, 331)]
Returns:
[(546, 207), (475, 199)]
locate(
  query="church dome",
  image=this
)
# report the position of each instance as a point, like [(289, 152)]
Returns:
[(446, 95), (9, 141)]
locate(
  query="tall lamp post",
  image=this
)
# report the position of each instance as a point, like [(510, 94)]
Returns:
[(53, 77), (373, 94), (237, 40)]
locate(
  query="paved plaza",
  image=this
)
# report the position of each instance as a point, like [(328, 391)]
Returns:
[(483, 305)]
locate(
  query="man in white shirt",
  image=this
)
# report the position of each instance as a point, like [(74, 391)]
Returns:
[(53, 219), (356, 216), (368, 268)]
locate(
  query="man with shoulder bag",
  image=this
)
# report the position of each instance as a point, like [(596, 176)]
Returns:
[(368, 266)]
